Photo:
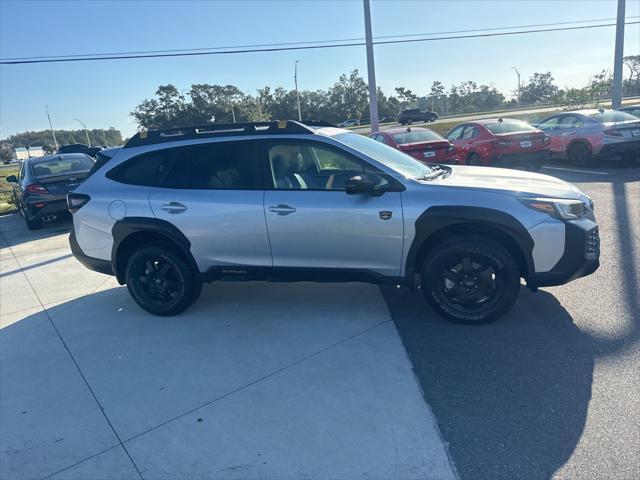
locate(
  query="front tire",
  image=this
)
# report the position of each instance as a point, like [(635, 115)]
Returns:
[(33, 223), (161, 281), (474, 160), (470, 279)]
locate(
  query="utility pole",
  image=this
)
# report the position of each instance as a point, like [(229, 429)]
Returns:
[(371, 69), (295, 79), (86, 132), (55, 142), (518, 73), (616, 100)]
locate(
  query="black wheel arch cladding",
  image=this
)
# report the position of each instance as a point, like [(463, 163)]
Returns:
[(158, 229), (477, 220)]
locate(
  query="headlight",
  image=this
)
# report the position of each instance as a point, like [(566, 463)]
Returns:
[(557, 207)]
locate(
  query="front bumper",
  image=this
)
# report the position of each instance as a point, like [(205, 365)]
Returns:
[(581, 255), (95, 264)]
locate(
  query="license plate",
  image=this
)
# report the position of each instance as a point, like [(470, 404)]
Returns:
[(525, 144), (635, 133), (429, 154)]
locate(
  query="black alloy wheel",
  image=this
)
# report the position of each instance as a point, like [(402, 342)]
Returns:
[(579, 155), (471, 279), (161, 281)]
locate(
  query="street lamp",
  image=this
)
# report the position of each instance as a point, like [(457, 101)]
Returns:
[(86, 132), (518, 73), (295, 79)]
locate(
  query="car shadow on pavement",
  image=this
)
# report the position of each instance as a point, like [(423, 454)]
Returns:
[(13, 230), (510, 397)]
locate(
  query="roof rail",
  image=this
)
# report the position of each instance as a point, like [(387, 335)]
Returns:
[(277, 127)]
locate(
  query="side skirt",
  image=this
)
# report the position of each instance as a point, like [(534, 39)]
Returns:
[(293, 274)]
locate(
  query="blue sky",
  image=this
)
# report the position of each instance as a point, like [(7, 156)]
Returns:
[(103, 93)]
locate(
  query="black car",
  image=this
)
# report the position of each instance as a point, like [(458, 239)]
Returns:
[(41, 187), (79, 148), (416, 115)]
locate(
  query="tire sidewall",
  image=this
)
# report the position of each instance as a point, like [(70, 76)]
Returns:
[(443, 256), (190, 287), (579, 147)]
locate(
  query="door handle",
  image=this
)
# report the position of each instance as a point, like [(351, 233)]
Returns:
[(282, 209), (174, 207)]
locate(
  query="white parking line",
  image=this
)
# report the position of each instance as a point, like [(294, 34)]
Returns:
[(575, 171)]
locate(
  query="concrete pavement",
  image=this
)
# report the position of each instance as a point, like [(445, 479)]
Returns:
[(255, 381)]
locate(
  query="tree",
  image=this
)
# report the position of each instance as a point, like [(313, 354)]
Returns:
[(405, 96), (539, 89), (6, 152), (633, 64), (43, 138), (437, 91), (349, 96)]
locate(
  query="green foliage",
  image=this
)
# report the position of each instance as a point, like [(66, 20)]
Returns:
[(540, 89), (43, 138), (6, 152)]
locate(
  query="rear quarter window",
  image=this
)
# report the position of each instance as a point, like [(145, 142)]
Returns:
[(148, 169)]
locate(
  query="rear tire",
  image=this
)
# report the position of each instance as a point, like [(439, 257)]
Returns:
[(33, 223), (474, 160), (579, 155), (161, 281), (470, 279)]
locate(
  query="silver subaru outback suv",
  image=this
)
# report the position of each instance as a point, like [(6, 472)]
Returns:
[(285, 201)]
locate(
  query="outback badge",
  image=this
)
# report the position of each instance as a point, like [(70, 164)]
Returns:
[(385, 214)]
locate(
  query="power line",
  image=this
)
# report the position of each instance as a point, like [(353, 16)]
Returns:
[(126, 56), (311, 42)]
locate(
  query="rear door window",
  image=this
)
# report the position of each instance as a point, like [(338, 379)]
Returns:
[(217, 166)]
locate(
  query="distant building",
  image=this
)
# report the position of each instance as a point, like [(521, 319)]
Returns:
[(26, 152)]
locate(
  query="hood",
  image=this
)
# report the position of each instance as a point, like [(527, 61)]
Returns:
[(515, 182)]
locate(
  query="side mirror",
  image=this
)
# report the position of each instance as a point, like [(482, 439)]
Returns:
[(11, 179), (369, 183)]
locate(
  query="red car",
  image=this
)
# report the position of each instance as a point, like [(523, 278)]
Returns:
[(501, 142), (421, 143)]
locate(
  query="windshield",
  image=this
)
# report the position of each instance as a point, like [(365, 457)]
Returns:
[(509, 126), (62, 166), (392, 158), (415, 136), (609, 116)]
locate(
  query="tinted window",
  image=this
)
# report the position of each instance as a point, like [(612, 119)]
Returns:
[(570, 121), (146, 170), (469, 132), (549, 123), (416, 136), (215, 166), (455, 133), (508, 126), (305, 166)]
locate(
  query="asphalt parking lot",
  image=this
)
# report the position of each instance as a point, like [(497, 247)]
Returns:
[(313, 380), (552, 390)]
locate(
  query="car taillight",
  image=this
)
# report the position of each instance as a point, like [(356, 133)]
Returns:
[(35, 188), (613, 132), (75, 201)]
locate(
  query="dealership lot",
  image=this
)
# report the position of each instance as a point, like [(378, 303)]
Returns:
[(291, 380)]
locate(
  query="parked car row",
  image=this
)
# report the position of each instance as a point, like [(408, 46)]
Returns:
[(579, 136)]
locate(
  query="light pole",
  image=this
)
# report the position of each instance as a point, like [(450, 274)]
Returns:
[(371, 69), (55, 142), (86, 132), (616, 99), (295, 79), (518, 73)]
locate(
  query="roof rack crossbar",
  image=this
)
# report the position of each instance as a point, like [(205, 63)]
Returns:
[(150, 137)]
